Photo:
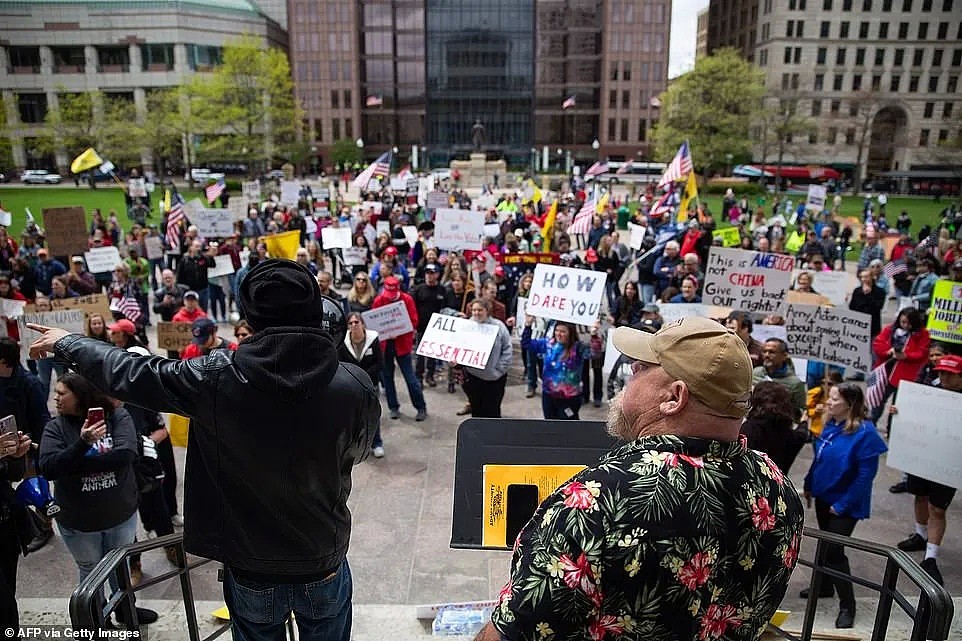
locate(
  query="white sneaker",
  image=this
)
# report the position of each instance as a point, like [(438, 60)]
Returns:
[(177, 520), (378, 452)]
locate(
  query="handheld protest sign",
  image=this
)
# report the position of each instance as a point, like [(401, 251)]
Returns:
[(566, 294), (389, 321), (66, 230), (747, 280), (458, 340)]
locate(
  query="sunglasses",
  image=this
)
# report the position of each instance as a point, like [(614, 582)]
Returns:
[(353, 322), (360, 280), (241, 335)]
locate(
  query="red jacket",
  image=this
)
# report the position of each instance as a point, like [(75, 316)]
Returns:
[(403, 344), (195, 351), (899, 251), (183, 315), (916, 354)]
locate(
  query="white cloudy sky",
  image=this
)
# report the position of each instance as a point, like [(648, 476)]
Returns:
[(684, 21)]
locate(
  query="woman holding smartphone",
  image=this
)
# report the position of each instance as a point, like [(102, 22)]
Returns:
[(904, 348), (89, 450)]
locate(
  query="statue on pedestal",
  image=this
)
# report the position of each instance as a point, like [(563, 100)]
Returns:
[(477, 135)]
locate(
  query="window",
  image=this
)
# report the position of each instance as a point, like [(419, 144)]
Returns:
[(933, 84), (913, 84), (335, 129), (866, 5), (157, 57), (937, 57), (348, 128), (823, 29), (812, 138), (876, 82), (816, 107), (789, 28), (843, 30), (835, 106), (832, 135), (797, 57), (788, 55), (952, 85), (318, 135), (785, 80), (32, 107), (626, 71), (946, 5), (826, 5), (860, 56), (625, 99), (850, 136), (800, 29), (943, 30), (642, 129), (840, 56), (879, 57), (856, 82), (820, 55), (819, 81), (929, 108), (862, 30), (837, 82), (926, 5), (852, 109), (846, 5), (894, 83), (956, 57), (624, 130), (202, 58), (886, 5), (614, 71), (794, 81), (946, 111), (899, 55), (335, 99), (611, 129), (883, 31), (613, 99), (924, 138), (907, 6), (943, 135), (917, 57), (923, 30), (903, 30), (347, 105)]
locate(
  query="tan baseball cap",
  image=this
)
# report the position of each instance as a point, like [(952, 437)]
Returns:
[(709, 357)]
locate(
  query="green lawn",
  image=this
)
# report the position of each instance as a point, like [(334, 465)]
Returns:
[(37, 198)]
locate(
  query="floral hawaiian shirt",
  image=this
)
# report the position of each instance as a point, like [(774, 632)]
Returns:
[(668, 538)]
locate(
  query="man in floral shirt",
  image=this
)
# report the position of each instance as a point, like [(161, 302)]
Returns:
[(682, 532)]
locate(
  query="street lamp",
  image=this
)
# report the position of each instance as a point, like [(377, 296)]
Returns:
[(728, 159), (314, 159), (425, 159), (596, 146)]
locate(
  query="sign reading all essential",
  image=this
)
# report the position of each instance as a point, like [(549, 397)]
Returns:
[(566, 294), (458, 340)]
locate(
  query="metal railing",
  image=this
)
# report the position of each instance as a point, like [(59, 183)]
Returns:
[(932, 617)]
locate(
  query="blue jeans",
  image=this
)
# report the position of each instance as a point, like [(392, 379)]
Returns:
[(647, 293), (407, 371), (45, 367), (259, 611), (218, 300), (88, 548)]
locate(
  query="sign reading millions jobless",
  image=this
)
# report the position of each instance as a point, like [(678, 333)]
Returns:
[(945, 314)]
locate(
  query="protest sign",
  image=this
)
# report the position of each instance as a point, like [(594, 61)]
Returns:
[(762, 333), (66, 230), (412, 186), (251, 190), (354, 255), (730, 236), (806, 298), (389, 321), (945, 314), (213, 223), (491, 230), (137, 188), (11, 308), (102, 259), (6, 218), (238, 208), (461, 340), (816, 198), (566, 294), (336, 238), (437, 200), (92, 304), (223, 266), (72, 320), (611, 354), (520, 314), (383, 227), (410, 234), (549, 258), (926, 435), (836, 286), (399, 184), (458, 229), (637, 237), (485, 202), (747, 280), (154, 247), (829, 334), (174, 336), (290, 192), (671, 312)]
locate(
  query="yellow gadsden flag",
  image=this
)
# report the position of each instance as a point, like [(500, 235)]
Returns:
[(283, 245), (547, 233), (691, 192), (87, 160)]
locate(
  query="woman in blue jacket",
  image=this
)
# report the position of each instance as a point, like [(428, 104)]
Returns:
[(840, 479)]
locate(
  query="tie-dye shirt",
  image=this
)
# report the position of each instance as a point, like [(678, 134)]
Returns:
[(562, 372)]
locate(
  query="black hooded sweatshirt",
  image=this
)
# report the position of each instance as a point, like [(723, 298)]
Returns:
[(276, 428)]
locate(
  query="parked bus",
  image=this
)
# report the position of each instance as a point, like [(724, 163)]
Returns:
[(637, 172)]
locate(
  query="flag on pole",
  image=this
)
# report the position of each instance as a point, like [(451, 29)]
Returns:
[(374, 101), (596, 169), (568, 103), (547, 232), (691, 192), (625, 166), (380, 167), (405, 173), (130, 308), (531, 193), (213, 191), (87, 160), (893, 269), (679, 168), (878, 381), (174, 215), (283, 245), (582, 222), (662, 206)]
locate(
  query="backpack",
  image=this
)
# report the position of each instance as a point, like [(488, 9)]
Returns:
[(148, 469)]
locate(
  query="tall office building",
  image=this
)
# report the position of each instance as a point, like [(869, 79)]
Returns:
[(889, 68), (418, 75), (701, 37)]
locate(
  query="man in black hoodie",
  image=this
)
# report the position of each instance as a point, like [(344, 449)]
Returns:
[(267, 481)]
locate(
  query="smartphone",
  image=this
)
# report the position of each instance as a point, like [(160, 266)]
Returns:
[(522, 500), (8, 425), (95, 415)]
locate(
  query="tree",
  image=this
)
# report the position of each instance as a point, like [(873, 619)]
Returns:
[(165, 125), (345, 152), (711, 106), (781, 123), (246, 107), (6, 148), (90, 119)]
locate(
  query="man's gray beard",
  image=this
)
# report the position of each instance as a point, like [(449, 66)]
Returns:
[(617, 422)]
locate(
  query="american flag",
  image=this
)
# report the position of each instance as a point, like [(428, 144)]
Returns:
[(894, 268), (213, 192), (174, 216), (625, 166), (929, 245), (130, 308), (405, 173), (568, 103), (380, 167), (596, 169), (583, 219), (679, 168), (878, 380), (374, 101), (663, 205)]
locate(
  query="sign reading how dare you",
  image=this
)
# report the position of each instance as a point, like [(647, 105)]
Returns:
[(566, 294)]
